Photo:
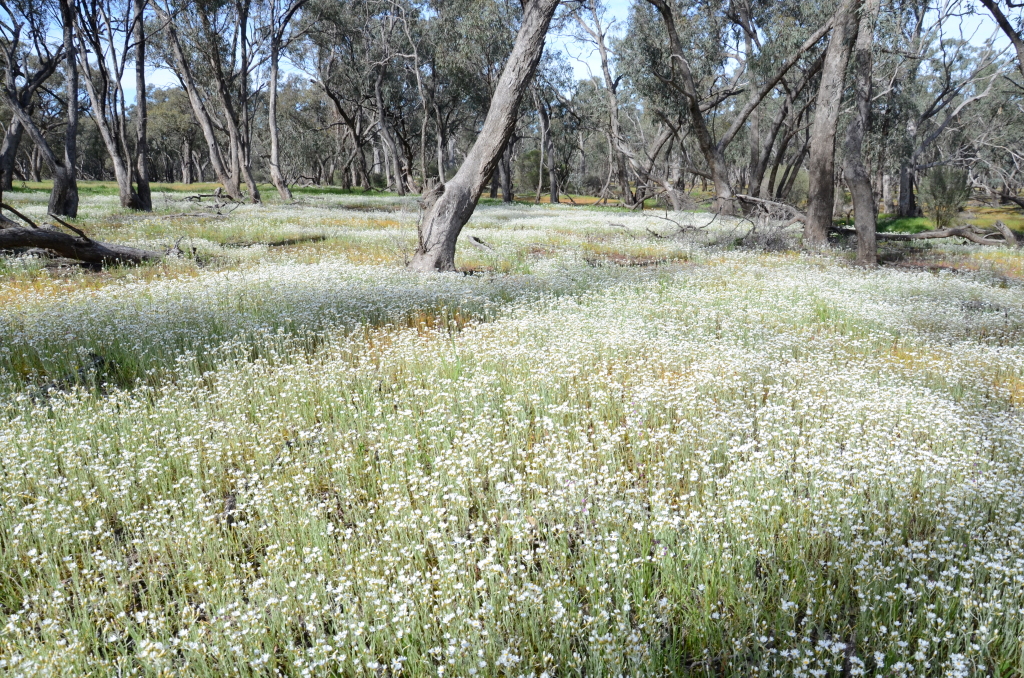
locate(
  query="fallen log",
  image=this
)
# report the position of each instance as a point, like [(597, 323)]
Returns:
[(972, 233), (78, 248)]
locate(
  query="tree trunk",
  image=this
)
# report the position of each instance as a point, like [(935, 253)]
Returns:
[(186, 167), (855, 170), (450, 206), (548, 148), (98, 85), (552, 174), (230, 181), (390, 146), (712, 152), (440, 142), (755, 124), (240, 133), (907, 204), (35, 165), (505, 172), (792, 170), (141, 111), (9, 153), (64, 196), (543, 149), (821, 162), (82, 249), (275, 147)]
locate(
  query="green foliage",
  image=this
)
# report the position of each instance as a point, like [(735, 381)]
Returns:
[(944, 194), (892, 224)]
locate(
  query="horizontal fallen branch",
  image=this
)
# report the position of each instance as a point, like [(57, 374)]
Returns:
[(969, 232), (277, 243), (72, 247)]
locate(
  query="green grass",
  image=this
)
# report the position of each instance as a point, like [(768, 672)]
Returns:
[(891, 224)]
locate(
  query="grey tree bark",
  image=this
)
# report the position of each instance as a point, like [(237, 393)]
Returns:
[(141, 110), (72, 247), (99, 32), (64, 195), (449, 207), (855, 170), (821, 161), (230, 181), (8, 153), (275, 145), (279, 25), (505, 172)]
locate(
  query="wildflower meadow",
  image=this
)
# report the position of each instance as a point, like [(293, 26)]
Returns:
[(618, 443)]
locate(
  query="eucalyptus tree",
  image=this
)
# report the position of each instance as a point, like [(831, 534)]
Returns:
[(448, 207), (337, 57), (1003, 12), (822, 147), (28, 66), (684, 62), (279, 20), (992, 133), (111, 35), (855, 169), (595, 29), (212, 49), (38, 17)]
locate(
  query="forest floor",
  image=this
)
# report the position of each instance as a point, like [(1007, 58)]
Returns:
[(619, 444)]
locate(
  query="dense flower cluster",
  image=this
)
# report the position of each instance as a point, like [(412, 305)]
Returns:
[(728, 464)]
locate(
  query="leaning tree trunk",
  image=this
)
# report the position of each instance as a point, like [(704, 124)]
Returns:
[(450, 206), (713, 153), (821, 162), (855, 170)]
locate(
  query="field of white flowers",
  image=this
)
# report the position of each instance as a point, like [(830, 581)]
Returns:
[(604, 453)]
